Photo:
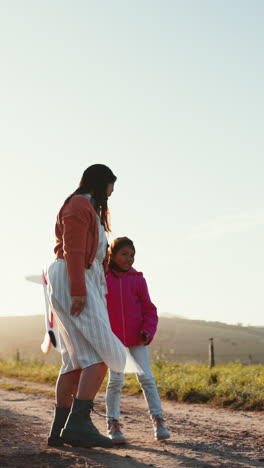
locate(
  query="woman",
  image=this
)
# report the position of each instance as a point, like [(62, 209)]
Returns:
[(77, 290)]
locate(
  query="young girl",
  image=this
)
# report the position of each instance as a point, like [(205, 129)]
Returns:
[(133, 319)]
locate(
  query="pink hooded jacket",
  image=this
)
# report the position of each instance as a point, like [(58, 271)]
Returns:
[(129, 306)]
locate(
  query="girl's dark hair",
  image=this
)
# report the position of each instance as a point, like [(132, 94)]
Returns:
[(116, 245), (120, 242), (95, 180)]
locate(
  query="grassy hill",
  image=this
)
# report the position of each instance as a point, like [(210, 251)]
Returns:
[(188, 340), (177, 339)]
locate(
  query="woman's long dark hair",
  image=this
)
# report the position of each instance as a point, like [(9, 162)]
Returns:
[(95, 180)]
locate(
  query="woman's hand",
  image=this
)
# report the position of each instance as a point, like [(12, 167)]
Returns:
[(145, 337), (78, 304)]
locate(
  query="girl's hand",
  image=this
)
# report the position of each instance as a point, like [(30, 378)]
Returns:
[(145, 337), (78, 304)]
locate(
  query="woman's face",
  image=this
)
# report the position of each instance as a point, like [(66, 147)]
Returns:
[(109, 190)]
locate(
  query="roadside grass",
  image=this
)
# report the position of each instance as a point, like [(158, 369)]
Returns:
[(227, 385), (26, 389), (31, 370)]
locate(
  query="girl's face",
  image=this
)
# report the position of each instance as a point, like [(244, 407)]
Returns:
[(124, 258)]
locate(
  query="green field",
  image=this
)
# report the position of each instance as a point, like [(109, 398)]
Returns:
[(179, 356), (177, 340), (230, 385)]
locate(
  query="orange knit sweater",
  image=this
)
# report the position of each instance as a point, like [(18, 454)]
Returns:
[(77, 240)]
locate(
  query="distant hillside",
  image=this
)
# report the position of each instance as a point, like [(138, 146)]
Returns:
[(24, 335), (177, 339), (180, 339)]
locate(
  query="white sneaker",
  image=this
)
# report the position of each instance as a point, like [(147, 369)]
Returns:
[(160, 430), (114, 432)]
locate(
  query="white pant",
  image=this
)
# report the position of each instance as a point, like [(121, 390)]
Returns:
[(146, 380)]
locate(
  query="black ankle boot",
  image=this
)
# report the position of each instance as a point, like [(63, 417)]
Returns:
[(80, 431), (60, 417)]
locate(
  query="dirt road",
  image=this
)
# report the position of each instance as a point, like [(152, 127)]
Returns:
[(201, 437)]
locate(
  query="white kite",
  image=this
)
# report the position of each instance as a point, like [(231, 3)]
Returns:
[(51, 337)]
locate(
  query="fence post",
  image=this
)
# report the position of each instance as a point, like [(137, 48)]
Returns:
[(211, 353), (17, 356)]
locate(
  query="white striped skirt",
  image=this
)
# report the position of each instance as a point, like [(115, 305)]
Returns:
[(87, 339)]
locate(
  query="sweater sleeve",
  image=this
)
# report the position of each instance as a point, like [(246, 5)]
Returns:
[(149, 310), (75, 224)]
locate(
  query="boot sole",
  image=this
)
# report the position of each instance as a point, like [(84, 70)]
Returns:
[(55, 442), (77, 441), (119, 442), (162, 438)]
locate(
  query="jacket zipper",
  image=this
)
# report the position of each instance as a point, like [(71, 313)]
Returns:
[(122, 309)]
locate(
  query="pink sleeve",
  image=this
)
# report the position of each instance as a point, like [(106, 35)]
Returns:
[(150, 320)]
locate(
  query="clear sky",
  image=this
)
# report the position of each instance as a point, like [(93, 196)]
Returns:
[(169, 94)]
